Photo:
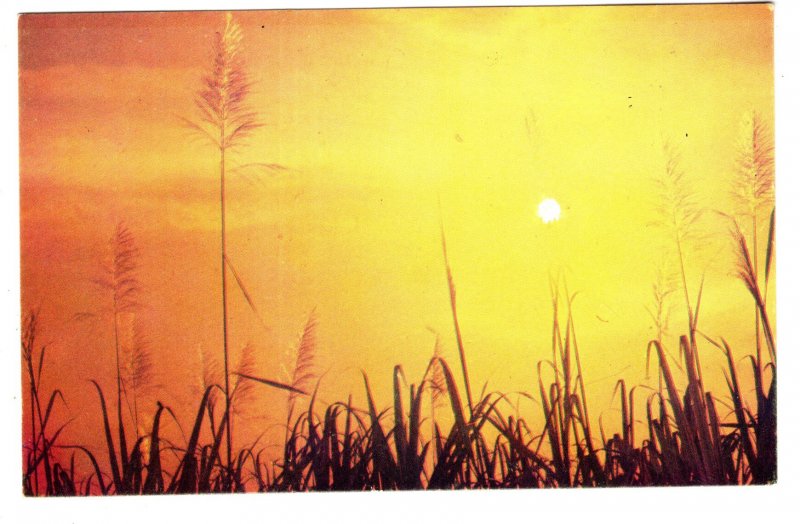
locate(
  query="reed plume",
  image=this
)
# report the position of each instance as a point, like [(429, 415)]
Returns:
[(660, 310), (677, 207), (209, 376), (753, 187), (225, 118), (243, 390), (304, 372)]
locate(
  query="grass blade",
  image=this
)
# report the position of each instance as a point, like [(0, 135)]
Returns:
[(112, 454)]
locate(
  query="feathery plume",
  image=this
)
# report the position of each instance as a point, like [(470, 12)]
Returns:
[(676, 205), (243, 389), (224, 117), (753, 187), (304, 373)]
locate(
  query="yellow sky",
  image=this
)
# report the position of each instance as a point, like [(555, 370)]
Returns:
[(378, 114)]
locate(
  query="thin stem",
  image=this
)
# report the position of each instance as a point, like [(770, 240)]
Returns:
[(224, 294), (34, 438), (116, 349), (755, 272), (123, 446), (45, 452), (433, 419)]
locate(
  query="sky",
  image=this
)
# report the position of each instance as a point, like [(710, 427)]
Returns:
[(388, 122)]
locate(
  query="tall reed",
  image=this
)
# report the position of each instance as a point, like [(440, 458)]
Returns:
[(119, 280), (679, 216), (753, 190), (226, 121), (762, 458)]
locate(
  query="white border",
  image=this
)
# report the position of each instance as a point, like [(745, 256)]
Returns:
[(617, 505)]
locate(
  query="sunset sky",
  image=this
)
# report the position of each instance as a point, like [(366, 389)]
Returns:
[(379, 115)]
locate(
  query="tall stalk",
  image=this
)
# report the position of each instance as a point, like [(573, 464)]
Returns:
[(223, 252), (679, 214), (226, 121), (121, 282)]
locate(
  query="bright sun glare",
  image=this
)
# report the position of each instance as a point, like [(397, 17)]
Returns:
[(549, 210)]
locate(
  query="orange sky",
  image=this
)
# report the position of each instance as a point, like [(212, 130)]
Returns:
[(377, 113)]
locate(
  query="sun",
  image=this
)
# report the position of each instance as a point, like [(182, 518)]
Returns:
[(549, 210)]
